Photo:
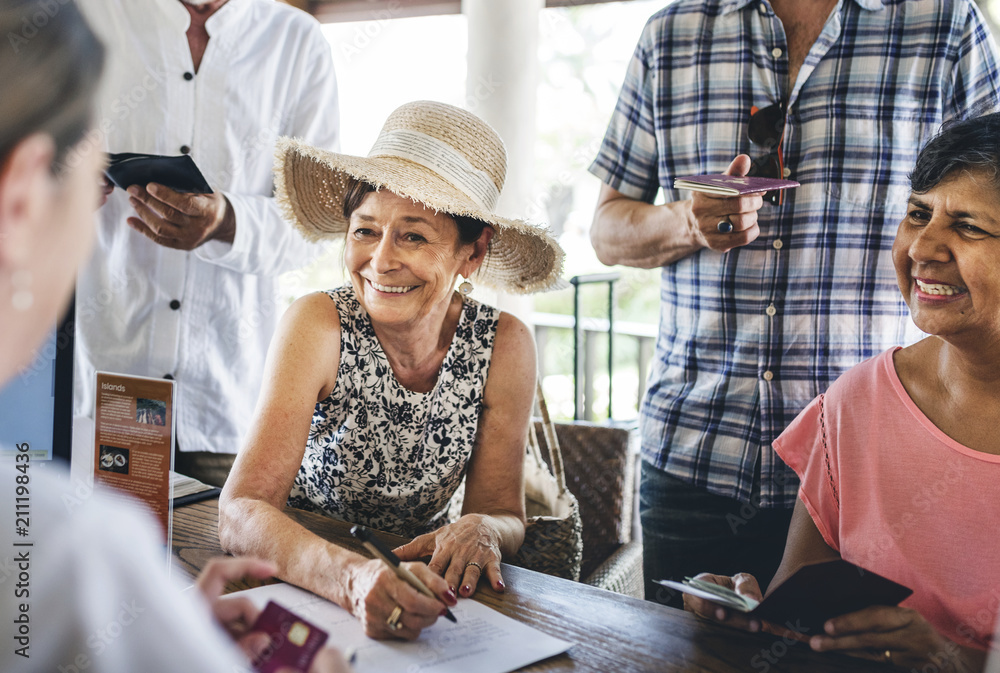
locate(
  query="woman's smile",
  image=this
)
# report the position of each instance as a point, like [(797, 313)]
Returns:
[(935, 291), (390, 289)]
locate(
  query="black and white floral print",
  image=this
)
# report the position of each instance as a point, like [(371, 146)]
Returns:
[(384, 456)]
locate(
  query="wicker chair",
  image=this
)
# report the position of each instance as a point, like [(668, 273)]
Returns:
[(600, 472)]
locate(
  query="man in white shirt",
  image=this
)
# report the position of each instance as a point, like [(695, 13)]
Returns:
[(185, 286)]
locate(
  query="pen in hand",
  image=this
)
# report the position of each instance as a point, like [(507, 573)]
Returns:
[(386, 555)]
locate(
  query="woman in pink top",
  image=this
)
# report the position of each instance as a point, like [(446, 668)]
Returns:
[(900, 460)]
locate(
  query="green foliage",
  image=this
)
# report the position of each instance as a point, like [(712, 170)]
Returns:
[(637, 297)]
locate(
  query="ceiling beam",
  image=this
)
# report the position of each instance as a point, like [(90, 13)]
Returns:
[(331, 11)]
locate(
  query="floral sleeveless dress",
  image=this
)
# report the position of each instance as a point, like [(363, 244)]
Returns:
[(384, 456)]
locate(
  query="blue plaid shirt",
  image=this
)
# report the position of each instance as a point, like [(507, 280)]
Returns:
[(749, 337)]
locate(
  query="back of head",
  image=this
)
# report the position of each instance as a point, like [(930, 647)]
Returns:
[(972, 144), (49, 71), (50, 66)]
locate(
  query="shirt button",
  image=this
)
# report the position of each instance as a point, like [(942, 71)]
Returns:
[(786, 171), (174, 304), (770, 310), (762, 7), (189, 76), (777, 244), (169, 377), (185, 149), (768, 375), (776, 52)]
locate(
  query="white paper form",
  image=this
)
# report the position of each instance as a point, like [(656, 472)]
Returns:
[(483, 640)]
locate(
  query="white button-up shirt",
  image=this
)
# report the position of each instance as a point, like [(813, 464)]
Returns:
[(203, 317)]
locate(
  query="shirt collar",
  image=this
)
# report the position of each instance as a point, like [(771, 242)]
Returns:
[(871, 5), (228, 15), (174, 14), (177, 17), (729, 6)]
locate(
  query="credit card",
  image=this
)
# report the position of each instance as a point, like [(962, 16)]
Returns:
[(294, 641)]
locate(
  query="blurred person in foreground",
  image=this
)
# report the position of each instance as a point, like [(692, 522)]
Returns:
[(899, 460), (382, 396), (83, 585)]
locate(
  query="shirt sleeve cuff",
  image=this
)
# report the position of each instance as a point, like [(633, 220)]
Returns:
[(229, 254), (618, 183)]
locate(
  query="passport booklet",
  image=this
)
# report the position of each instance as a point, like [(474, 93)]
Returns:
[(805, 600), (731, 185), (179, 173)]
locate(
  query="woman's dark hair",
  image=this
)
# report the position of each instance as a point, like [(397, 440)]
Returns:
[(469, 228), (972, 144), (50, 67)]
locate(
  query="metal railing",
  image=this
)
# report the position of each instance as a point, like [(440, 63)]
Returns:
[(585, 332)]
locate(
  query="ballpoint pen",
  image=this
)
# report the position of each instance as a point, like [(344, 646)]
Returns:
[(378, 548)]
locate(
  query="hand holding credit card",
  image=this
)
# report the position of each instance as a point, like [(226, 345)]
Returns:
[(294, 641)]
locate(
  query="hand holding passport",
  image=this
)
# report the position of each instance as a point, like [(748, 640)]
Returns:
[(806, 600), (179, 210), (718, 184)]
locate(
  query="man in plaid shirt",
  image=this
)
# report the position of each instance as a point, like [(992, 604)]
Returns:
[(764, 304)]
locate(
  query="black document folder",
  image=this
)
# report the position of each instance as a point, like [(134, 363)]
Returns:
[(178, 173)]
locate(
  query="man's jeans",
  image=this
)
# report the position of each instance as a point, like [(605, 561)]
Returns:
[(686, 530)]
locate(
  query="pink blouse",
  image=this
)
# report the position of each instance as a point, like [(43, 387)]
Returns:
[(893, 494)]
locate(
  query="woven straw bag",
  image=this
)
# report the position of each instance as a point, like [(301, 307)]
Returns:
[(553, 539), (600, 471)]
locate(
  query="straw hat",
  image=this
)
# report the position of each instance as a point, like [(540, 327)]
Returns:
[(436, 154)]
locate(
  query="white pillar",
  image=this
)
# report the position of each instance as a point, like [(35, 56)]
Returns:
[(502, 88)]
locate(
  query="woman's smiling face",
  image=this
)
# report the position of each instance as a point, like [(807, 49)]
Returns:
[(947, 257), (403, 258)]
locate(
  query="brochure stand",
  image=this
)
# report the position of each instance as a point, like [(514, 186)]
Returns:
[(134, 439)]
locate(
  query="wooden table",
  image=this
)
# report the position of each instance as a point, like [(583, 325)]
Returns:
[(611, 632)]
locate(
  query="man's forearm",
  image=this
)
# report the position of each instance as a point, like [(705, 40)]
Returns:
[(638, 234)]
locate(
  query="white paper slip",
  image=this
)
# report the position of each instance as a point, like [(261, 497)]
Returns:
[(483, 640), (712, 592)]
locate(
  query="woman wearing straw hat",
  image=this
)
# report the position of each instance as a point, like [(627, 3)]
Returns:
[(379, 397)]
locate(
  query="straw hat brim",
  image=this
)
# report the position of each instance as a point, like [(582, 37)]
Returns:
[(310, 184)]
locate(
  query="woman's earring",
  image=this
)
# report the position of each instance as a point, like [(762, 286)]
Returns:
[(465, 288), (23, 297)]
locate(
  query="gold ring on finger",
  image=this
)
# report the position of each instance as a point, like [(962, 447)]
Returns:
[(887, 655), (393, 621), (473, 563)]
